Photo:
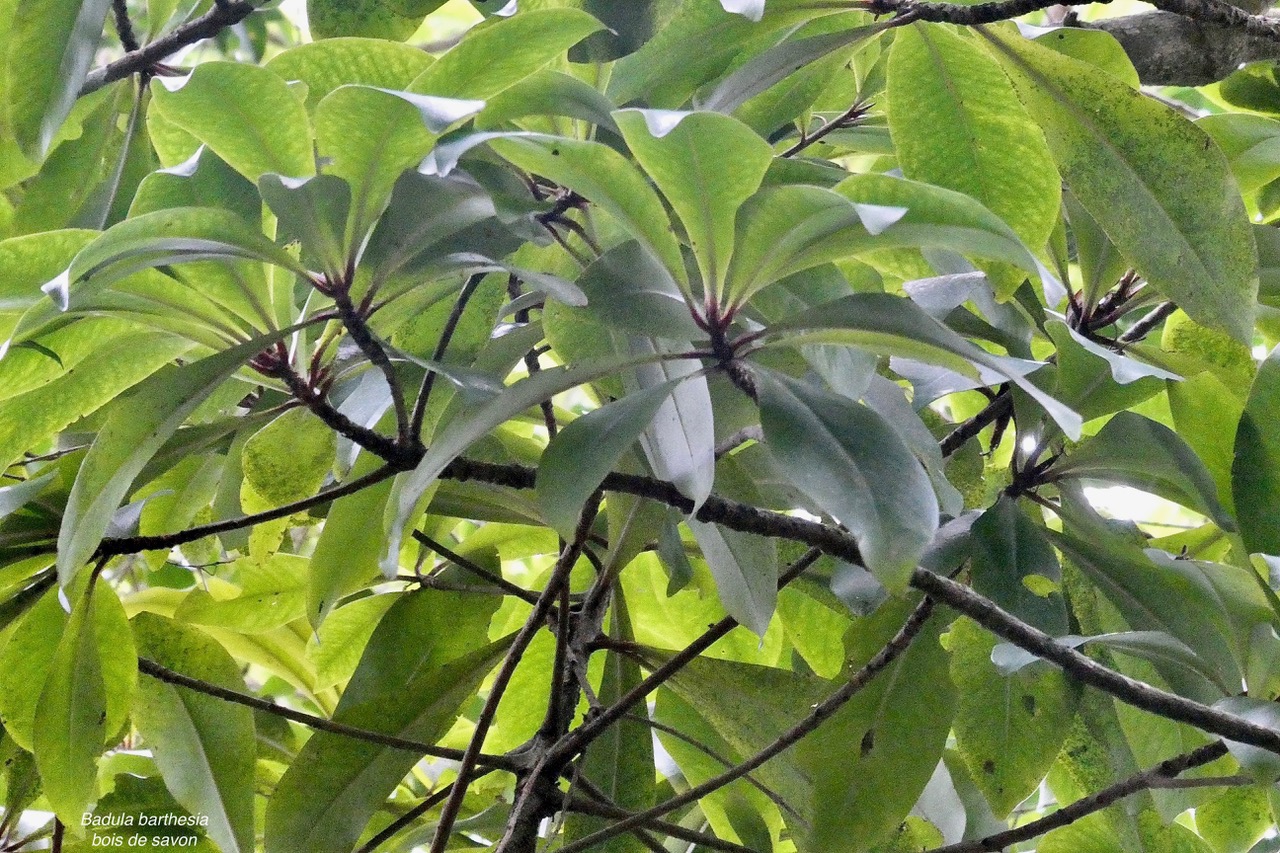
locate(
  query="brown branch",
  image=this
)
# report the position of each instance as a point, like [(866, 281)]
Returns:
[(603, 809), (1001, 406), (1089, 671), (371, 440), (1085, 806), (1147, 324), (535, 622), (410, 816), (208, 25), (782, 804), (163, 673), (1170, 50), (595, 725), (840, 544), (135, 544), (820, 714), (124, 27), (442, 346), (360, 332), (955, 13), (479, 571)]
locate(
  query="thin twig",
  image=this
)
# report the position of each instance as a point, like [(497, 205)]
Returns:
[(1147, 324), (1001, 406), (1130, 691), (360, 332), (410, 816), (371, 440), (820, 714), (535, 623), (136, 544), (595, 725), (124, 27), (706, 750), (479, 571), (163, 673), (442, 346), (1085, 806), (596, 808), (208, 25)]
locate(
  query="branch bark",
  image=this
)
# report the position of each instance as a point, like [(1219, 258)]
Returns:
[(208, 25), (1085, 806), (1169, 49)]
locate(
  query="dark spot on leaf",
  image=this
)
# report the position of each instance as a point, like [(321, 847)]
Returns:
[(988, 766), (868, 743), (555, 152), (1029, 702)]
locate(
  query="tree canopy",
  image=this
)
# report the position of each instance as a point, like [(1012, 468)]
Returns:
[(740, 425)]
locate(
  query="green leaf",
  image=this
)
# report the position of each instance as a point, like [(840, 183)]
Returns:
[(374, 19), (966, 130), (894, 325), (425, 660), (1255, 472), (314, 212), (272, 592), (607, 179), (888, 739), (349, 547), (1009, 551), (471, 426), (503, 53), (1178, 598), (1096, 47), (337, 645), (48, 48), (778, 63), (1100, 262), (31, 261), (203, 746), (680, 442), (1138, 452), (707, 165), (287, 460), (745, 568), (371, 163), (86, 698), (629, 26), (550, 93), (134, 430), (851, 463), (1206, 414), (627, 288), (718, 694), (1234, 820), (26, 663), (246, 114), (429, 216), (578, 458), (31, 419), (323, 66), (154, 240), (619, 762), (935, 217), (788, 229), (1096, 381), (696, 45), (1009, 728), (1153, 180), (1251, 144)]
